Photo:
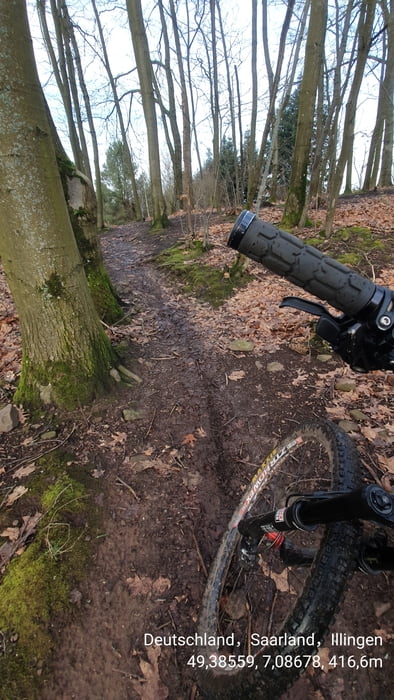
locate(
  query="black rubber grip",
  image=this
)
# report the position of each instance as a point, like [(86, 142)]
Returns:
[(301, 264)]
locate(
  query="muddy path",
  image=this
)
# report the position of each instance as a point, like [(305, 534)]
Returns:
[(169, 477)]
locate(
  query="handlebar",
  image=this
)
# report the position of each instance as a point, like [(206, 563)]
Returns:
[(364, 336)]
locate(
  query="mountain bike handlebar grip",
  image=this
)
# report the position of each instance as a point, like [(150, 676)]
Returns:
[(302, 265)]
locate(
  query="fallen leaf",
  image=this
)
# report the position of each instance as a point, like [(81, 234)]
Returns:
[(300, 378), (381, 608), (11, 532), (385, 634), (325, 655), (140, 463), (189, 439), (387, 463), (16, 546), (144, 585), (281, 580), (118, 439), (150, 687), (24, 471), (15, 494), (236, 375)]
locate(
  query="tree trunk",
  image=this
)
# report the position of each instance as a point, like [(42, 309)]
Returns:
[(60, 73), (187, 179), (387, 105), (76, 57), (237, 198), (367, 13), (251, 154), (312, 68), (215, 104), (145, 74), (175, 148), (129, 159), (272, 120), (81, 201), (66, 355)]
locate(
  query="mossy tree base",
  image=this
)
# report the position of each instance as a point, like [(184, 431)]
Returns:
[(66, 384)]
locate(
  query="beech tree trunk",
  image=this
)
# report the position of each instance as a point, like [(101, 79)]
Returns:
[(364, 31), (312, 68), (128, 156), (66, 355), (145, 74)]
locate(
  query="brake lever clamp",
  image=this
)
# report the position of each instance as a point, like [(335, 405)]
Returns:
[(366, 344)]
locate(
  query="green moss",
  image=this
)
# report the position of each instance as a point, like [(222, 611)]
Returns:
[(315, 241), (203, 281), (53, 287), (104, 296), (35, 589), (106, 301), (66, 385), (359, 236), (350, 258)]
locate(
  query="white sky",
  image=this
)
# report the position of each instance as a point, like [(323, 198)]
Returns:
[(121, 57)]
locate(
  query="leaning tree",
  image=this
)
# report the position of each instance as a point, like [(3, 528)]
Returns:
[(66, 355)]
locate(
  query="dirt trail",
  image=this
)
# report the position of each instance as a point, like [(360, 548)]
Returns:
[(170, 479)]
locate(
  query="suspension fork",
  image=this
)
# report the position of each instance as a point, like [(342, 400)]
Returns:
[(371, 503)]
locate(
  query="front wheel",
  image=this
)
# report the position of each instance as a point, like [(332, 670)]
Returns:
[(259, 629)]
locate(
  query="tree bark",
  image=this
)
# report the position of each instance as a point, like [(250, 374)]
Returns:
[(187, 178), (119, 114), (170, 113), (251, 154), (145, 74), (60, 73), (312, 68), (66, 355), (215, 103), (387, 104), (367, 13), (76, 58)]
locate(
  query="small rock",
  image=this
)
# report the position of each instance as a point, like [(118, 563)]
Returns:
[(381, 608), (348, 426), (324, 358), (46, 394), (115, 375), (275, 367), (241, 346), (129, 375), (49, 435), (345, 386), (9, 418), (358, 415), (130, 414), (75, 597)]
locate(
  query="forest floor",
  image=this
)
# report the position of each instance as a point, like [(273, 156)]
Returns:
[(168, 473)]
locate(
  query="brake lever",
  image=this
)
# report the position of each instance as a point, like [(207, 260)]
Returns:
[(362, 345), (310, 307), (329, 327)]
